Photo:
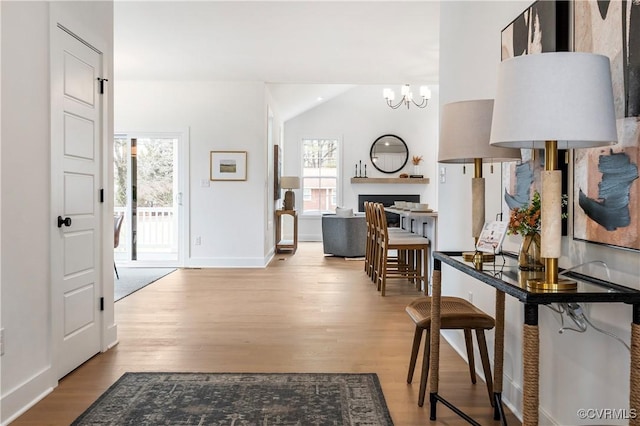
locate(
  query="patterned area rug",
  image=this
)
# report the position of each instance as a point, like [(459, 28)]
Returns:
[(240, 400)]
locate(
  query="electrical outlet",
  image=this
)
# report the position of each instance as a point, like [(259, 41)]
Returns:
[(443, 174), (205, 183), (1, 341), (470, 297), (198, 241)]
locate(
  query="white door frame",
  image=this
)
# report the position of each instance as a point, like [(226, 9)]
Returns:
[(183, 188), (59, 17), (85, 300)]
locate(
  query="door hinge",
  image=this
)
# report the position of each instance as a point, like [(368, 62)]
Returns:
[(102, 195), (102, 303), (101, 83)]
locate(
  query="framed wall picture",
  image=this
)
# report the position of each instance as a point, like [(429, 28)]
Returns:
[(228, 165), (606, 187), (277, 171)]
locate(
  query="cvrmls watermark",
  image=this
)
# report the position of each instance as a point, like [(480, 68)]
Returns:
[(606, 413)]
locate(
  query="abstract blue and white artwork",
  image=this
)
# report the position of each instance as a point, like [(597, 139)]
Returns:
[(606, 185)]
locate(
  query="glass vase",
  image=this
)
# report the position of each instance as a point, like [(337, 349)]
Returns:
[(529, 256), (417, 170)]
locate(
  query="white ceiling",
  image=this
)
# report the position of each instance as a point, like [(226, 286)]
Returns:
[(303, 49)]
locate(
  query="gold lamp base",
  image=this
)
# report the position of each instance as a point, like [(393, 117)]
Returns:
[(560, 286), (551, 282), (477, 257)]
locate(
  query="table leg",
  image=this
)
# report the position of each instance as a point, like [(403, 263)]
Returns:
[(435, 336), (531, 354), (278, 231), (498, 357), (295, 232), (425, 272), (634, 374)]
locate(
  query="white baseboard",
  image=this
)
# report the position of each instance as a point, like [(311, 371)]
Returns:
[(19, 399), (314, 238), (226, 262), (111, 337)]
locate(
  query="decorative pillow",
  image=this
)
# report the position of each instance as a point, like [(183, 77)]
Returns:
[(342, 212)]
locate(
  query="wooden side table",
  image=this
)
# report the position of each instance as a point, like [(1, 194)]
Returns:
[(286, 245)]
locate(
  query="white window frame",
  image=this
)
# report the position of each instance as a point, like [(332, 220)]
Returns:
[(338, 188)]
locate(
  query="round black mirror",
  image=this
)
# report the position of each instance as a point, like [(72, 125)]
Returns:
[(389, 154)]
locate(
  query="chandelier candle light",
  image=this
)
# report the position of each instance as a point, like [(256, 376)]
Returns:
[(407, 97), (551, 100)]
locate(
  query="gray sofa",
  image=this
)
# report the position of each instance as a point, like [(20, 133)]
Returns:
[(344, 236)]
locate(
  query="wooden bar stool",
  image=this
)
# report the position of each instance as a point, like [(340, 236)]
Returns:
[(371, 239), (412, 260), (456, 313)]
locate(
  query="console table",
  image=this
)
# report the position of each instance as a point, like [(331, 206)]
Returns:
[(507, 279), (290, 245)]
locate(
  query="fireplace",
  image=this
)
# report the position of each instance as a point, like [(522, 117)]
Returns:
[(387, 200)]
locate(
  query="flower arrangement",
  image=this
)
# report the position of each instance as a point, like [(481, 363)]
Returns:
[(526, 219), (416, 159)]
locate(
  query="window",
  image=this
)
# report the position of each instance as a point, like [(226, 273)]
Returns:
[(320, 175)]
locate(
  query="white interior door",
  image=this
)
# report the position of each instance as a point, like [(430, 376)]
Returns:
[(76, 147)]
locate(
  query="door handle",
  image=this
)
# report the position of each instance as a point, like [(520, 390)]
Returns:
[(66, 221)]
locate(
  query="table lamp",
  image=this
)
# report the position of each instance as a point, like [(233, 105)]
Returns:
[(553, 100), (464, 138), (289, 183)]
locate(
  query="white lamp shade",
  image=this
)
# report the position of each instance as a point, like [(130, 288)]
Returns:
[(465, 128), (562, 96), (290, 182)]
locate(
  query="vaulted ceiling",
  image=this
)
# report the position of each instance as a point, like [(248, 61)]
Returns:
[(303, 49)]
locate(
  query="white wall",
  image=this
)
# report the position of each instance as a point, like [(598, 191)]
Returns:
[(357, 118), (272, 139), (586, 370), (26, 368), (230, 217)]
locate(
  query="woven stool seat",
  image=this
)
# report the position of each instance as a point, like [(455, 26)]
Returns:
[(455, 313)]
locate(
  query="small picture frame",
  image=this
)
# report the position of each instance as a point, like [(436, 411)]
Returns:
[(228, 165), (492, 236)]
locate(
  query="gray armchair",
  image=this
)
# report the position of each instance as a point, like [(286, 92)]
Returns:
[(344, 236)]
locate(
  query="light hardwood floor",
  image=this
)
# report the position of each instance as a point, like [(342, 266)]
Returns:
[(303, 313)]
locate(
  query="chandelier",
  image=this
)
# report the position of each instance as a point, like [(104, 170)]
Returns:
[(407, 97)]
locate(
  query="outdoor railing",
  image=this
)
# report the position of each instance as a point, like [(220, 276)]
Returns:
[(155, 230)]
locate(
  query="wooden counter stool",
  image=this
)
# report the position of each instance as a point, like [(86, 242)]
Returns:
[(412, 260), (456, 313), (371, 239)]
